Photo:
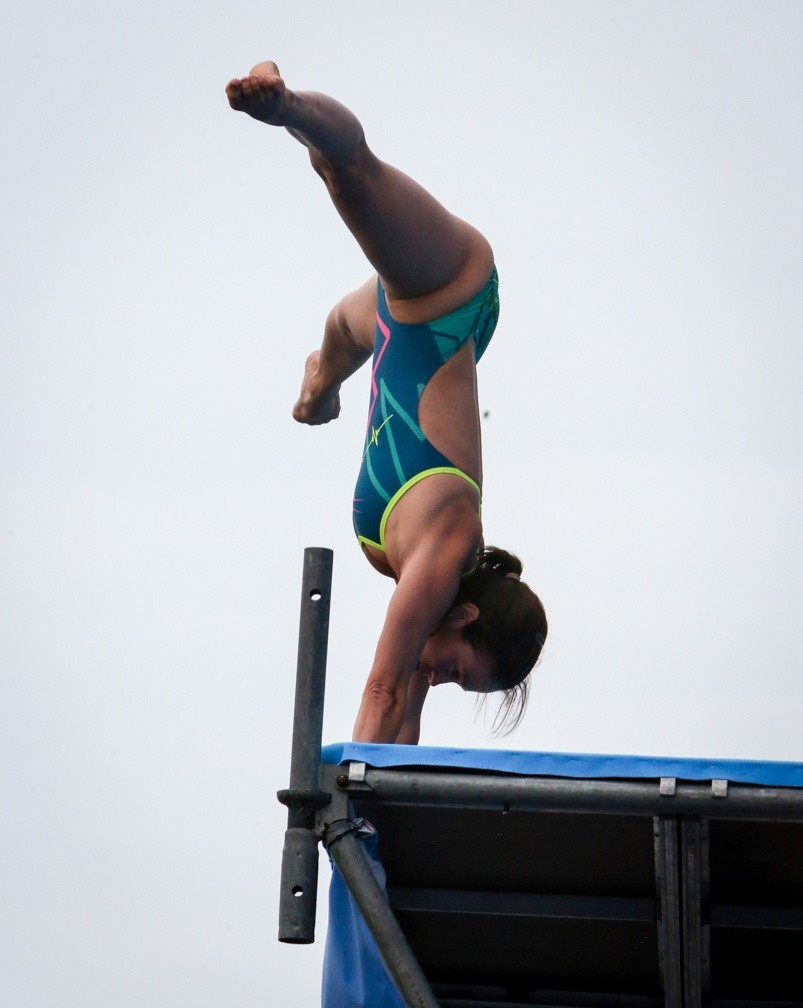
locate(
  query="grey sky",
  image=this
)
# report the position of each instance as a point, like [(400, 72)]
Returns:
[(167, 266)]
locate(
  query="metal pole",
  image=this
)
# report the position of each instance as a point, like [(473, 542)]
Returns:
[(744, 801), (347, 853), (693, 865), (299, 880), (665, 832)]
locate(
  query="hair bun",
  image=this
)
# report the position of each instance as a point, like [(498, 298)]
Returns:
[(496, 559)]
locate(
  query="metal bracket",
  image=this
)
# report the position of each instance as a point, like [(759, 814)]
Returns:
[(356, 773), (352, 779), (719, 789)]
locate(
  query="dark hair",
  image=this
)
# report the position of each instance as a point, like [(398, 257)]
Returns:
[(511, 627)]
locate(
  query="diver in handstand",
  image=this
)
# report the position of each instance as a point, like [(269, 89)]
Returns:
[(460, 612)]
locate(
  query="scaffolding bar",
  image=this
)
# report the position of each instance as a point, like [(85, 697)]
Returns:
[(562, 999), (299, 878), (695, 951), (521, 905), (347, 853), (665, 831), (466, 790)]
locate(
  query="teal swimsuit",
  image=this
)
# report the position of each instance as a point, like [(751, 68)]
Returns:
[(396, 453)]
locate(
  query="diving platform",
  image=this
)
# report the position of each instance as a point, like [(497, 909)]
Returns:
[(508, 879)]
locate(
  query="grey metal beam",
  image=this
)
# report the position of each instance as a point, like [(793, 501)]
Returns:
[(298, 886), (506, 793), (588, 1001), (694, 857), (519, 904), (313, 643), (347, 853), (752, 1003), (770, 918), (667, 884), (484, 998)]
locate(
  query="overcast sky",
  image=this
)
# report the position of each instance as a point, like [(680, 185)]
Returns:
[(167, 266)]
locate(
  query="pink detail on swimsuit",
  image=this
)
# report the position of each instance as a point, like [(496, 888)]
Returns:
[(378, 357)]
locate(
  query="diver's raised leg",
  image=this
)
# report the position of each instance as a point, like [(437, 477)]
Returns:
[(416, 246)]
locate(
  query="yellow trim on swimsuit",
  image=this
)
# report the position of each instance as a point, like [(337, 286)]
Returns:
[(394, 500)]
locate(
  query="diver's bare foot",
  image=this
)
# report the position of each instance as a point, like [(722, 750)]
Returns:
[(262, 94), (314, 406)]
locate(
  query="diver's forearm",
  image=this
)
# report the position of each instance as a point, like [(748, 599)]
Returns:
[(417, 693), (380, 717), (340, 354)]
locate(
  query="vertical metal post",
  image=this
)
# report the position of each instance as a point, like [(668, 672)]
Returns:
[(299, 880), (665, 832), (692, 851)]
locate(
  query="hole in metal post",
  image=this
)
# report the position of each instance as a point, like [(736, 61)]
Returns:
[(298, 891), (315, 595)]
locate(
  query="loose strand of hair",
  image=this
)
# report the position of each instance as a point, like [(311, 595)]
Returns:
[(511, 710)]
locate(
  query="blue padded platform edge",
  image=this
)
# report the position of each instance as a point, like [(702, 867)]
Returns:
[(575, 765)]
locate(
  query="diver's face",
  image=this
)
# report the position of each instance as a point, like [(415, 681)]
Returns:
[(448, 658)]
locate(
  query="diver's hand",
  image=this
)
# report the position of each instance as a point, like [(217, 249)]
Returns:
[(317, 404)]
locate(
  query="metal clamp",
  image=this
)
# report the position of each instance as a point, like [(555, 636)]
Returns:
[(335, 832), (300, 798)]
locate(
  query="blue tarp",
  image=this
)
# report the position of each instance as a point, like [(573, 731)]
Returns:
[(575, 765), (354, 975)]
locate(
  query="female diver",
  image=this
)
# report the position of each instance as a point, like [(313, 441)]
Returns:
[(460, 612)]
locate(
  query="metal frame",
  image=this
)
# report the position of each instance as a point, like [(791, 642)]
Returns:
[(550, 794), (319, 810)]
